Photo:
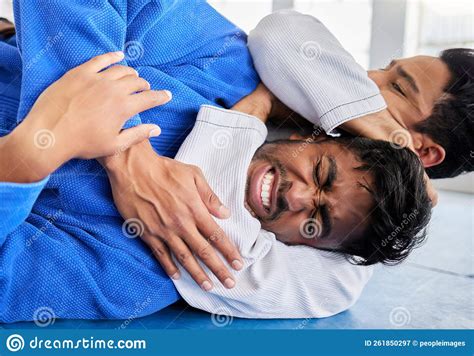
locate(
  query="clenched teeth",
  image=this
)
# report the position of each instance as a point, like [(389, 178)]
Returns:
[(267, 184)]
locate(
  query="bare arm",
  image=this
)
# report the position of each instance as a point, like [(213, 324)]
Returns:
[(79, 116)]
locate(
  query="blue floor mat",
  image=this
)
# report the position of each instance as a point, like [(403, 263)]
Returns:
[(434, 288)]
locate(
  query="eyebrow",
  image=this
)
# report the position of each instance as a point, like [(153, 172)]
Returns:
[(323, 210), (332, 172), (408, 78)]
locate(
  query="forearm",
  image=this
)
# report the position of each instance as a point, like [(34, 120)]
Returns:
[(24, 169), (29, 155)]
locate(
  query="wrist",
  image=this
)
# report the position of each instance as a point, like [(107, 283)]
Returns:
[(257, 104), (26, 158), (121, 160)]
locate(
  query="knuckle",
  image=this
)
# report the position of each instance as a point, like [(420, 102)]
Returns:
[(184, 258), (221, 273), (196, 170), (217, 236), (157, 97), (165, 238), (144, 83), (205, 253), (177, 227), (101, 59), (160, 251), (212, 198), (153, 230)]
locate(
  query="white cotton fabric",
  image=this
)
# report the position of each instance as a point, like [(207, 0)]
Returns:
[(306, 67), (277, 281)]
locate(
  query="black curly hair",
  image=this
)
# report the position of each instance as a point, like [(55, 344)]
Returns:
[(397, 224)]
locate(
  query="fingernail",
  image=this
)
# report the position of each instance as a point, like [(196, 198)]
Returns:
[(224, 212), (168, 94), (206, 286), (176, 275), (120, 54), (229, 283), (155, 132), (237, 265)]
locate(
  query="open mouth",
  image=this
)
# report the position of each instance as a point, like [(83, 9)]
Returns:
[(263, 190), (266, 189)]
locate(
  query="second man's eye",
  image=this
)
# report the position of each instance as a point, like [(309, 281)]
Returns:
[(398, 88)]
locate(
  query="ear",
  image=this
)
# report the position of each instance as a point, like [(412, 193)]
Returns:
[(430, 152)]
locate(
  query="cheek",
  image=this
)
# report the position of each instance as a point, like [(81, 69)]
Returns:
[(392, 100), (400, 109), (286, 228)]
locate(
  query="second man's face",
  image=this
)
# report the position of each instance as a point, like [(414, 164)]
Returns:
[(411, 87)]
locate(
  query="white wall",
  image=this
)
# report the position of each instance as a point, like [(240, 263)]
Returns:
[(6, 9), (244, 13)]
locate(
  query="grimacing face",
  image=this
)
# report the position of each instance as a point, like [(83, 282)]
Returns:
[(313, 196)]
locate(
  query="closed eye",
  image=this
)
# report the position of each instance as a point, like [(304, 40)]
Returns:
[(317, 173), (398, 89)]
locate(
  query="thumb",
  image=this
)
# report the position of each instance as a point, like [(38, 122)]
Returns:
[(210, 199), (137, 134)]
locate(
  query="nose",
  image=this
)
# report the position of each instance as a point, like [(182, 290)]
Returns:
[(301, 196), (378, 76)]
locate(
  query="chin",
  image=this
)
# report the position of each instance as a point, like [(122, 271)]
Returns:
[(270, 228)]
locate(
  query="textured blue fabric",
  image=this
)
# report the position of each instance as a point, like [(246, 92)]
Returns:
[(62, 245)]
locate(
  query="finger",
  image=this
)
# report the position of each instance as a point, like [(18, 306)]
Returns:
[(205, 252), (189, 263), (210, 199), (137, 134), (146, 100), (118, 71), (163, 255), (98, 63), (217, 237), (134, 84)]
